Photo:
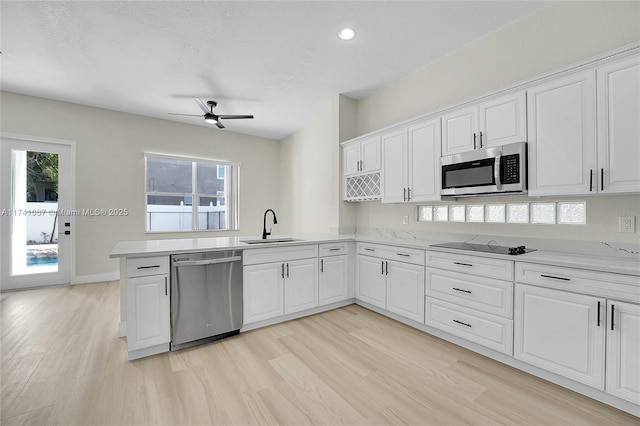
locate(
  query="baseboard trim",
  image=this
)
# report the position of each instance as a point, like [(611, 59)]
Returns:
[(96, 278)]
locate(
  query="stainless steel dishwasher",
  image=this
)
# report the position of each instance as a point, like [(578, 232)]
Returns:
[(206, 297)]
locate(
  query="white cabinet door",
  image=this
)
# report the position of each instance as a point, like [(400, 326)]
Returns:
[(619, 126), (561, 132), (394, 170), (334, 279), (300, 285), (148, 311), (371, 283), (503, 120), (459, 131), (370, 154), (623, 350), (351, 158), (424, 161), (405, 290), (263, 291), (561, 332)]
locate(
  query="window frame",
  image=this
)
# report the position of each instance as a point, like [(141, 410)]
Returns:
[(231, 192)]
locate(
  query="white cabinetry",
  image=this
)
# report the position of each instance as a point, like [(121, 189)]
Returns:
[(561, 121), (362, 155), (335, 281), (619, 126), (471, 297), (495, 122), (411, 163), (391, 278), (279, 281), (561, 332), (563, 316), (148, 306), (623, 351)]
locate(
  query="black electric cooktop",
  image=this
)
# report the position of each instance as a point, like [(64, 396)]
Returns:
[(486, 248)]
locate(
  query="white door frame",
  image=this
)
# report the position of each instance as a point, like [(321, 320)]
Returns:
[(4, 194)]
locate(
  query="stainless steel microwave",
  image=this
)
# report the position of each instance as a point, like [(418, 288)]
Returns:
[(495, 170)]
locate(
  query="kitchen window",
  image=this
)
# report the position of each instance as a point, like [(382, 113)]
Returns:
[(188, 194)]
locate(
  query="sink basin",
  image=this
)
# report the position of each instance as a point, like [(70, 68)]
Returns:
[(273, 240)]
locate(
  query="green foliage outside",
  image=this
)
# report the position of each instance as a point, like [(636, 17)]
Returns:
[(42, 176)]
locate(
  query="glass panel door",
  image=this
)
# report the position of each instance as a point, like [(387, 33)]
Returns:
[(36, 219)]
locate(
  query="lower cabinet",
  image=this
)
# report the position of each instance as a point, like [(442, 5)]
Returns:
[(333, 281), (561, 332), (148, 306), (391, 284), (623, 350), (300, 285), (263, 288)]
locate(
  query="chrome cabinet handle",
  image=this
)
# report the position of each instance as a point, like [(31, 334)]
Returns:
[(474, 142)]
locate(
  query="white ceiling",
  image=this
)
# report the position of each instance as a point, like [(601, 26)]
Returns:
[(279, 60)]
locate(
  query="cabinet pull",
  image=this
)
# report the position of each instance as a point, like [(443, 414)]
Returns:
[(480, 139), (403, 254), (382, 265), (462, 264), (404, 194), (282, 270), (322, 266), (598, 323), (590, 180), (463, 323), (474, 141), (166, 293), (612, 307), (369, 249), (335, 249), (464, 291), (601, 179), (386, 268), (148, 267), (408, 194), (555, 278), (287, 270)]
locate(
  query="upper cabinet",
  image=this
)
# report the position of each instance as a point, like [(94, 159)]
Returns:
[(561, 120), (566, 156), (411, 163), (362, 156), (618, 94), (495, 122)]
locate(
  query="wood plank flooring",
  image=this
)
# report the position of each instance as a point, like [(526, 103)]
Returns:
[(63, 364)]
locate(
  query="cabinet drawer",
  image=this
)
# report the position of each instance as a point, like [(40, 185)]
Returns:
[(601, 284), (279, 254), (332, 249), (487, 330), (401, 254), (144, 266), (476, 265), (484, 294)]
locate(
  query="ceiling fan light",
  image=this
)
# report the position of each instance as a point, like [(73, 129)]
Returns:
[(210, 119)]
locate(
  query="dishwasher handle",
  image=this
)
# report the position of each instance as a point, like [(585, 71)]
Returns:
[(179, 263)]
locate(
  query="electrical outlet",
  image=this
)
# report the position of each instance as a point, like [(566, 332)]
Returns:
[(405, 219), (627, 224)]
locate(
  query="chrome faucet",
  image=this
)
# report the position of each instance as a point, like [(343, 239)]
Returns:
[(264, 223)]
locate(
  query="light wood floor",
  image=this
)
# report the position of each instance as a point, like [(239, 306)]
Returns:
[(62, 363)]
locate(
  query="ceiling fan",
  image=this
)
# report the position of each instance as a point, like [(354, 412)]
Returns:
[(209, 115)]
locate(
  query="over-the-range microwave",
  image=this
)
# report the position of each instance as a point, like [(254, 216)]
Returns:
[(494, 170)]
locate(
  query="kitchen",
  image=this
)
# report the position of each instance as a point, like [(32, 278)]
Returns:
[(307, 197)]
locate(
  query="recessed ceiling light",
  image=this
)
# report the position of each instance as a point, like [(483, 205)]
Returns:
[(347, 33)]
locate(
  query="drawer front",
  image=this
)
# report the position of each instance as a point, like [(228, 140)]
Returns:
[(401, 254), (144, 266), (484, 329), (279, 254), (476, 265), (484, 294), (601, 284), (332, 249)]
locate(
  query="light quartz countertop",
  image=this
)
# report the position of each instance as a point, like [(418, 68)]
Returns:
[(612, 264)]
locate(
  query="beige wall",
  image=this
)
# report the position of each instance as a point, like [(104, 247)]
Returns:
[(110, 168), (557, 36)]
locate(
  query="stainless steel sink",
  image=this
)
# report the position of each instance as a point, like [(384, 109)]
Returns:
[(273, 240)]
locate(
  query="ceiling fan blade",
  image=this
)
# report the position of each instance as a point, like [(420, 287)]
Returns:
[(219, 124), (231, 117), (202, 105), (188, 115)]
